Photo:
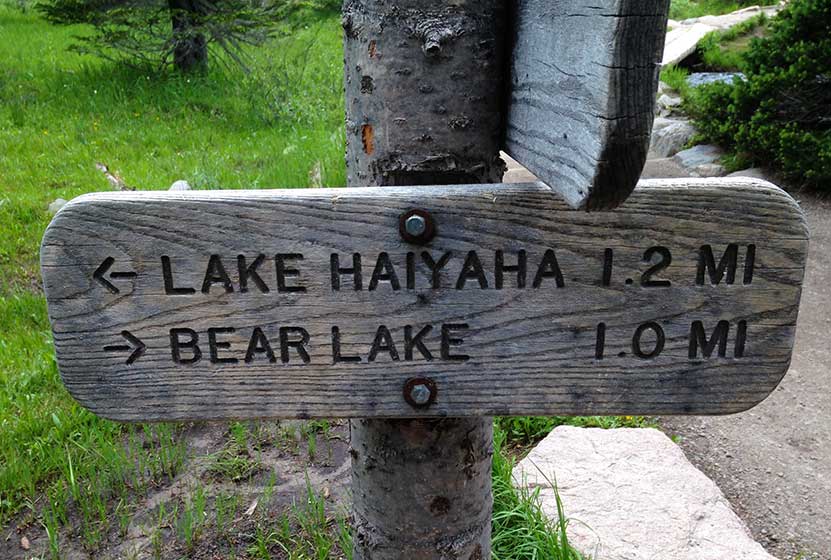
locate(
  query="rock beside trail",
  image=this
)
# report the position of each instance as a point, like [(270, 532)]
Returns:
[(701, 78), (683, 36), (56, 205), (667, 103), (682, 41), (669, 136), (631, 494), (755, 172), (701, 161), (180, 185), (726, 21)]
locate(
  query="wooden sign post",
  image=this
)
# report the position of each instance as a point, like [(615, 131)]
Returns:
[(423, 312)]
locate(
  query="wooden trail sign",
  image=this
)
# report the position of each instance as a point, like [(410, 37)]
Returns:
[(304, 303), (582, 94)]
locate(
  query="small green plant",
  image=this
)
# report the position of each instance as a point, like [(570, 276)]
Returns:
[(676, 78), (51, 526), (226, 507), (780, 116), (684, 9), (156, 536), (724, 50), (524, 431), (234, 461), (192, 521), (520, 528)]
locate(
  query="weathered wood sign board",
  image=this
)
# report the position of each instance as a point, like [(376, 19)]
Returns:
[(583, 82), (302, 303)]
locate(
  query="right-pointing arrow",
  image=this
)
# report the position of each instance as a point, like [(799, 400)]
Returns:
[(136, 345)]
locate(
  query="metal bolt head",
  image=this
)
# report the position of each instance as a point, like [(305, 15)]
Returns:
[(415, 225), (420, 394)]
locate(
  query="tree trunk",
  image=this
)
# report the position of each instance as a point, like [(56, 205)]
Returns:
[(424, 91), (190, 48), (422, 489)]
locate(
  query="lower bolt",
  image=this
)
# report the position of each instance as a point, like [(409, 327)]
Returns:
[(420, 392)]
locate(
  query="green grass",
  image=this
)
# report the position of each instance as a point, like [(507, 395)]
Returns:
[(61, 113), (684, 9), (722, 51), (520, 529)]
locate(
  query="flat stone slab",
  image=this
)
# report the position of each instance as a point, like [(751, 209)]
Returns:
[(702, 154), (631, 494), (682, 41), (683, 36)]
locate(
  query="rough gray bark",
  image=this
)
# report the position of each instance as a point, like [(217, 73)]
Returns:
[(422, 488), (423, 106), (424, 88)]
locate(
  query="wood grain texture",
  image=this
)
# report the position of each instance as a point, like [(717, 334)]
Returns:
[(532, 350), (583, 82)]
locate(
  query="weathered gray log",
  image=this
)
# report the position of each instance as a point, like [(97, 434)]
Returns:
[(423, 99), (583, 82), (532, 339), (422, 488), (424, 89)]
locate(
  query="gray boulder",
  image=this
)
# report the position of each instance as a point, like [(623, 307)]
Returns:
[(755, 172), (710, 170), (56, 205), (698, 155), (670, 136), (631, 494), (667, 103), (701, 78), (180, 185)]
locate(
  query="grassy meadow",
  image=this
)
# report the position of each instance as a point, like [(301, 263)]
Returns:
[(72, 481)]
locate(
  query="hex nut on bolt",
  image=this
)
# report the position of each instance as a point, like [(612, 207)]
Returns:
[(416, 226), (420, 392)]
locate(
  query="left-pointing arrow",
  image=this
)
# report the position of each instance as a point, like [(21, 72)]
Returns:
[(136, 345), (102, 270)]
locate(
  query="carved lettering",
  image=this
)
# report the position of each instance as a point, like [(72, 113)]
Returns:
[(500, 268), (215, 345), (472, 270), (249, 271), (354, 271), (191, 344), (337, 357), (215, 274), (549, 268), (296, 338), (169, 287), (699, 340), (664, 260), (384, 272), (448, 340), (417, 341), (660, 340), (259, 344), (284, 272), (435, 267), (383, 343)]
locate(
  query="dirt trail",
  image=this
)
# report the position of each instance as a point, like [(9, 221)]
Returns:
[(774, 461)]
